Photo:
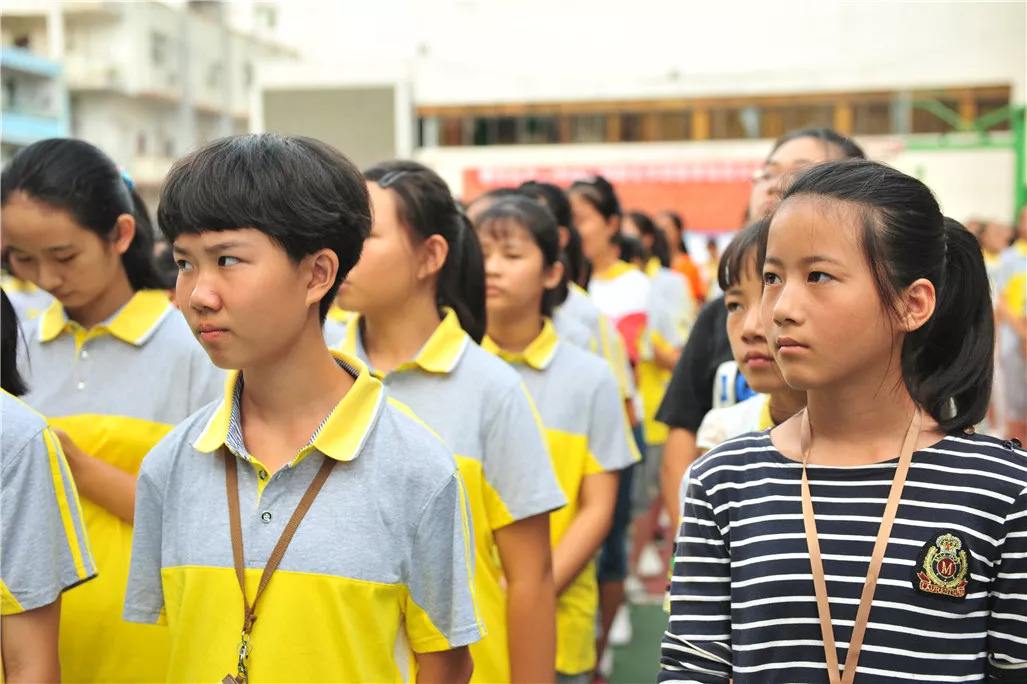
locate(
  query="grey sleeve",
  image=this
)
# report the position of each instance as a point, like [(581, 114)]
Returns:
[(440, 612), (610, 442), (144, 595), (518, 471), (45, 547)]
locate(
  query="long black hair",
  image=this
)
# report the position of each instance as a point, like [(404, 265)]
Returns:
[(10, 379), (646, 227), (426, 207), (556, 200), (905, 237), (535, 218), (78, 178)]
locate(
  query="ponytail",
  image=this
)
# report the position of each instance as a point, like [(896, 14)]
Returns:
[(76, 177), (947, 363), (950, 358), (426, 207)]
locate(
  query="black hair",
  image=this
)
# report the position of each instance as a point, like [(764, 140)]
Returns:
[(645, 225), (679, 224), (300, 192), (76, 177), (426, 207), (743, 246), (598, 192), (631, 248), (539, 222), (10, 379), (828, 136), (904, 237), (556, 200)]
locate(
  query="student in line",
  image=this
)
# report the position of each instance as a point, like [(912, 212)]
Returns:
[(691, 391), (672, 226), (419, 289), (873, 535), (305, 452), (42, 534), (739, 277), (113, 368), (1011, 310), (578, 401)]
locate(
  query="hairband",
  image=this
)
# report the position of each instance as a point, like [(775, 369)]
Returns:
[(128, 180)]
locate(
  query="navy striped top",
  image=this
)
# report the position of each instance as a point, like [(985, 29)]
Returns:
[(951, 600)]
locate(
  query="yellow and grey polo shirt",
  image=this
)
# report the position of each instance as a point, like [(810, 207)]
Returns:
[(581, 409), (43, 537), (116, 389), (480, 407), (380, 564)]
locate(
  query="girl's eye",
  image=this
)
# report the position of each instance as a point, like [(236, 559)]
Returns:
[(21, 258), (818, 277), (732, 306), (183, 265), (227, 261), (64, 260), (771, 278)]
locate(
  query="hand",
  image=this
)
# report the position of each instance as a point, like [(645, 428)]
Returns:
[(72, 451)]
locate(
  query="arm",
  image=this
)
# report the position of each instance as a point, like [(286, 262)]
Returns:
[(29, 646), (587, 530), (1007, 622), (678, 453), (666, 357), (531, 598), (100, 482), (445, 667), (697, 644)]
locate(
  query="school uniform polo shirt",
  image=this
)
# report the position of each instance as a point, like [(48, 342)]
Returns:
[(45, 546), (580, 406), (728, 422), (28, 300), (116, 389), (381, 563), (480, 407)]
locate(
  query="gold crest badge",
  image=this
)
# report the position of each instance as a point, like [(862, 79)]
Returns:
[(944, 566)]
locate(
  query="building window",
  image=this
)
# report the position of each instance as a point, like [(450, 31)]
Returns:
[(588, 128), (872, 118), (674, 126), (925, 120), (541, 130), (22, 41)]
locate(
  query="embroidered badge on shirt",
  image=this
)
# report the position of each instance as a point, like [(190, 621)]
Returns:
[(943, 568)]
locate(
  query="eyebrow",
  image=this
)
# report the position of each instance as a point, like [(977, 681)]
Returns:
[(211, 249), (805, 261)]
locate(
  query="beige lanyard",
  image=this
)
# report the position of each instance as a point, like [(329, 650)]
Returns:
[(234, 518), (859, 628)]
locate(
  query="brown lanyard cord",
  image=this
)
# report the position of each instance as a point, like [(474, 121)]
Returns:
[(249, 610), (859, 627)]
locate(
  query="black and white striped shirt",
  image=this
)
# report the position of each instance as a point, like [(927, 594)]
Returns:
[(742, 598)]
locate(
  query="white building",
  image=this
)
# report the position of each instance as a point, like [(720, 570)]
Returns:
[(149, 81), (491, 91)]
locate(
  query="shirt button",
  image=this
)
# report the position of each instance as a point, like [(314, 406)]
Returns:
[(266, 516), (81, 385), (262, 474)]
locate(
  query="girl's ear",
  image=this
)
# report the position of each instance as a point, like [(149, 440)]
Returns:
[(552, 276), (124, 232), (433, 253), (323, 267), (565, 237), (917, 306)]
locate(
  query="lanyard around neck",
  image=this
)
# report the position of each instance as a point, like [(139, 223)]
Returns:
[(880, 546)]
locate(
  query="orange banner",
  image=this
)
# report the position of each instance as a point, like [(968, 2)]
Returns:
[(711, 195)]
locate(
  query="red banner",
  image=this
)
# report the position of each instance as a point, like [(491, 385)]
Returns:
[(711, 195)]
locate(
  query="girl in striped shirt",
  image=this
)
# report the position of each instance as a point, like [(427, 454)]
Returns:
[(872, 536)]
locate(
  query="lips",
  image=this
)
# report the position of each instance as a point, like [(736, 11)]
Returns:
[(757, 359), (787, 344), (209, 333)]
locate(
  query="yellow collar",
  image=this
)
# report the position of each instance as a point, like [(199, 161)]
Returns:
[(652, 267), (765, 421), (539, 354), (342, 434), (340, 315), (618, 269), (134, 323), (1021, 246), (440, 353), (12, 283)]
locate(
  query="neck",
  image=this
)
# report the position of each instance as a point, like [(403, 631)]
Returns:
[(395, 335), (115, 296), (513, 332), (298, 389), (604, 260), (786, 403), (861, 420)]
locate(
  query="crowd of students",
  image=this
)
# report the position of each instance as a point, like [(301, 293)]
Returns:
[(361, 432)]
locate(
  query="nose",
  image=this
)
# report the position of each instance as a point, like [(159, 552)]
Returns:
[(200, 291), (752, 326), (48, 276), (786, 303)]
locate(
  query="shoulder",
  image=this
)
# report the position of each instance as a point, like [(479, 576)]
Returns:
[(492, 373), (573, 331), (20, 425), (580, 368), (179, 441), (1004, 462)]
